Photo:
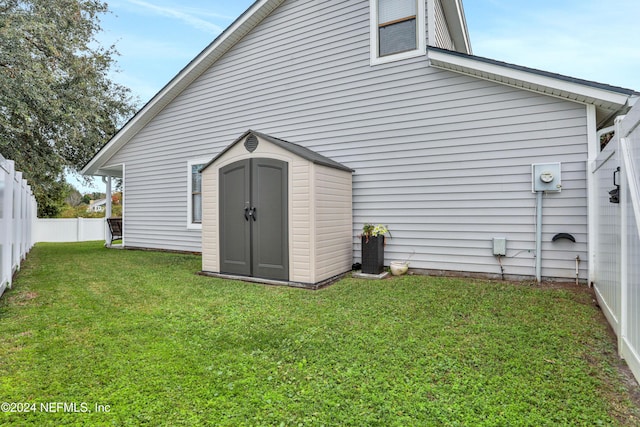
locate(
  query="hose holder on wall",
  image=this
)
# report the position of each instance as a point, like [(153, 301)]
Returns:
[(563, 236)]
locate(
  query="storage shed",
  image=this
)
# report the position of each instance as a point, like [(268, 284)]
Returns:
[(276, 211)]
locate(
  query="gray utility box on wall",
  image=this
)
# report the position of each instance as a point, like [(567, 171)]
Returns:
[(500, 246), (545, 177)]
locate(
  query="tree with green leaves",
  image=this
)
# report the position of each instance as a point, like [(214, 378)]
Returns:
[(57, 103)]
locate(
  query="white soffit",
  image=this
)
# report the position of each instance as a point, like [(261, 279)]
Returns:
[(245, 23), (530, 80)]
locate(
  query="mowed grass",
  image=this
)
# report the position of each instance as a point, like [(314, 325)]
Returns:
[(152, 343)]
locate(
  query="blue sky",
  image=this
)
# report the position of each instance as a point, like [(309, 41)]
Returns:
[(590, 39)]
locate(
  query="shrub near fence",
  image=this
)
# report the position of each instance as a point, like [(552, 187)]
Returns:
[(18, 210)]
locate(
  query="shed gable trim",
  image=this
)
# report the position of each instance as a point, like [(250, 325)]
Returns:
[(296, 149)]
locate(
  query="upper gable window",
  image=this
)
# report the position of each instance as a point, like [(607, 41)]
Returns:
[(397, 30)]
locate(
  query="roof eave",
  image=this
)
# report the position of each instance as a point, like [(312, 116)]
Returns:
[(259, 10), (609, 98)]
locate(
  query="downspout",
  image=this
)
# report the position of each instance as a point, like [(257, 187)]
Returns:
[(538, 236)]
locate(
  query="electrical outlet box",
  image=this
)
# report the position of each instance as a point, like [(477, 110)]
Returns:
[(500, 246), (545, 177)]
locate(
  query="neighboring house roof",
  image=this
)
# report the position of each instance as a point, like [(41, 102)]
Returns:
[(609, 100), (95, 205), (258, 11), (296, 149)]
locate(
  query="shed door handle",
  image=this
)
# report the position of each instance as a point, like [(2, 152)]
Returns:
[(253, 215), (246, 214)]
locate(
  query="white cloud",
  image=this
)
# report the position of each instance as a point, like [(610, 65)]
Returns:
[(144, 88), (587, 39), (187, 15)]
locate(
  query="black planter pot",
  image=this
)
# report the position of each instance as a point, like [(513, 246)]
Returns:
[(372, 254)]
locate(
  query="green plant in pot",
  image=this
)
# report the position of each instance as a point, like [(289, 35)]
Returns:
[(373, 242)]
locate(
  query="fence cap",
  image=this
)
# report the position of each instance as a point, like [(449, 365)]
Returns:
[(4, 163)]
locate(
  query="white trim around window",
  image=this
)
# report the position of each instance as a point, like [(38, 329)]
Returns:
[(421, 42), (193, 223)]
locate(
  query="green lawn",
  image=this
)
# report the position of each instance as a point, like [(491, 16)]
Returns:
[(140, 334)]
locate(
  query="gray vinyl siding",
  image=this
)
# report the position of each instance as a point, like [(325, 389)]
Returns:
[(442, 36), (443, 159)]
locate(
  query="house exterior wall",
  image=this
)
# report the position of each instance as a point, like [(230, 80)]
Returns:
[(442, 36), (442, 158)]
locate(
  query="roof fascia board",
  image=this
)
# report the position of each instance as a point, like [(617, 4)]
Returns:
[(487, 69), (457, 23), (238, 29)]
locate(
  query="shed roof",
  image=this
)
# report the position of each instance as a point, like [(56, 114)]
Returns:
[(296, 149)]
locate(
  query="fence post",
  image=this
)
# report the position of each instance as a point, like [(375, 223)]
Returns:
[(31, 215), (8, 213), (5, 217), (23, 219), (17, 178), (624, 253)]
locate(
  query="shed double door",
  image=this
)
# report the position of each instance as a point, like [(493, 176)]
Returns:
[(253, 219)]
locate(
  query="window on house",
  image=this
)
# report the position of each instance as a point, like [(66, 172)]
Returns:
[(194, 193), (397, 29), (396, 26)]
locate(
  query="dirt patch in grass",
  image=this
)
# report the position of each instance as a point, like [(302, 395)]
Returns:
[(22, 298)]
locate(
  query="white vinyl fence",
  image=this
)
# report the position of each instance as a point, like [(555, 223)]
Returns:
[(18, 211), (617, 240), (69, 229)]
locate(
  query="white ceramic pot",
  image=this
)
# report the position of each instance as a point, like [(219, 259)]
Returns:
[(398, 268)]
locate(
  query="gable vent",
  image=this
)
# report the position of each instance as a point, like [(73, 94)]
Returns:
[(251, 143)]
